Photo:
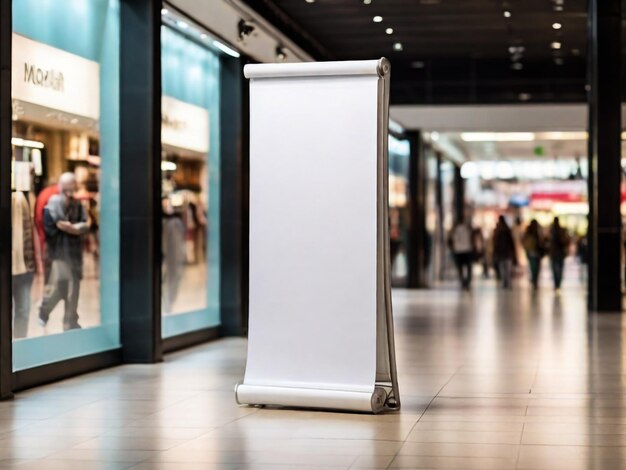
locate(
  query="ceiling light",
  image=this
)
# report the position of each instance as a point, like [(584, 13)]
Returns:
[(389, 31), (469, 170), (203, 36), (524, 96), (558, 8), (434, 136), (517, 66), (498, 136), (310, 1), (397, 46), (556, 26), (418, 64), (18, 142), (507, 14), (183, 25), (575, 51), (555, 45), (378, 19), (164, 11), (559, 61), (568, 135), (226, 49), (367, 2)]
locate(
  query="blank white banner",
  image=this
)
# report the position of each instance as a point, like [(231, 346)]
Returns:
[(316, 249)]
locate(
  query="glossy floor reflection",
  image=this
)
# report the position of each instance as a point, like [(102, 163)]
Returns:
[(489, 380)]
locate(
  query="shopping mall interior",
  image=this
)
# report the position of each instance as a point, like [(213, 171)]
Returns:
[(318, 234)]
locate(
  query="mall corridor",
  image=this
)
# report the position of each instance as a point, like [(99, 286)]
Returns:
[(489, 380)]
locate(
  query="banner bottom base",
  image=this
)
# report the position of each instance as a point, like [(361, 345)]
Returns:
[(369, 402)]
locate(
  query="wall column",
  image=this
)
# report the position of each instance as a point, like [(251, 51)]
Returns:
[(605, 173), (234, 199), (416, 250), (140, 180), (6, 320)]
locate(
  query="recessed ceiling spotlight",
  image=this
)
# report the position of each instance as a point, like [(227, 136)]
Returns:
[(557, 25), (559, 61), (378, 19), (389, 31), (418, 64), (367, 2), (183, 25), (281, 54), (575, 51), (164, 11), (558, 8), (310, 1), (524, 96), (507, 14), (517, 66), (397, 46), (555, 45)]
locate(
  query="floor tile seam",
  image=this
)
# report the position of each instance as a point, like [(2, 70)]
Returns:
[(519, 447), (421, 416)]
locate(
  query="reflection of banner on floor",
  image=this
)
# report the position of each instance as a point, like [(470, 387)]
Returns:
[(321, 329)]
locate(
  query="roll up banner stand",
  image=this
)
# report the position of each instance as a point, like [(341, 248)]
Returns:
[(321, 325)]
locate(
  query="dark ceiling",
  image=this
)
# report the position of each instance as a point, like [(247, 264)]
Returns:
[(453, 51)]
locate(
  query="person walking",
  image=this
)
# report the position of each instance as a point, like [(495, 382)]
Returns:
[(65, 222), (504, 251), (518, 234), (559, 244), (534, 247), (461, 244)]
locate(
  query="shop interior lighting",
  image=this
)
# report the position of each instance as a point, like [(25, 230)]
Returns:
[(555, 45), (525, 136), (398, 46), (507, 14), (164, 11), (168, 166), (498, 136), (378, 19), (434, 136), (226, 50), (18, 142), (367, 2), (469, 170), (310, 1), (389, 31), (557, 25)]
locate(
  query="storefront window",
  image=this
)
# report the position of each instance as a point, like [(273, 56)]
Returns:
[(190, 165), (399, 156), (65, 179)]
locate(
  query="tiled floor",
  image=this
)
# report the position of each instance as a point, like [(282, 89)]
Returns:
[(489, 380)]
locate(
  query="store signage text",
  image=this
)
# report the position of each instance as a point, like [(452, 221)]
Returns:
[(44, 78), (54, 79)]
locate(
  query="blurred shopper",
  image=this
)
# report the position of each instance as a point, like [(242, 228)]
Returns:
[(44, 263), (461, 244), (534, 246), (504, 251), (488, 261), (518, 234), (559, 244), (65, 222)]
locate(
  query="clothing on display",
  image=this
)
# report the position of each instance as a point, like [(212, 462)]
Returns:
[(23, 262)]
